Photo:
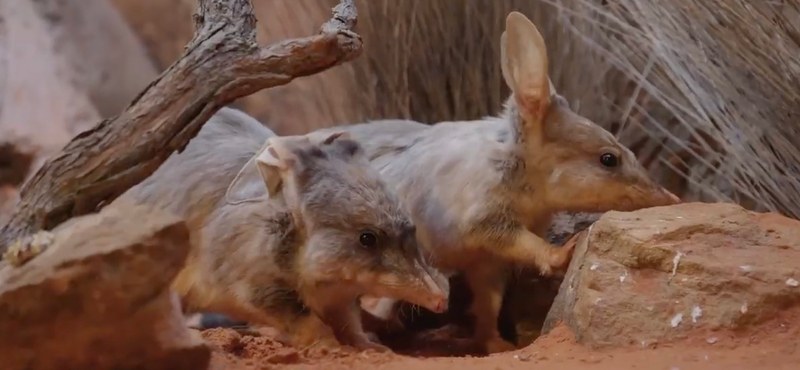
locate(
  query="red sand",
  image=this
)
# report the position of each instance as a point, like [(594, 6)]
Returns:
[(771, 346)]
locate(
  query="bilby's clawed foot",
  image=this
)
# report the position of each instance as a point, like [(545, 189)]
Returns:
[(559, 257), (545, 268), (563, 256), (25, 249)]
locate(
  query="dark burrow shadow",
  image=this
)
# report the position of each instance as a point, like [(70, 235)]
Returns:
[(422, 333)]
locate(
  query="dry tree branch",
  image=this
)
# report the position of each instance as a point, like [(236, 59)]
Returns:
[(221, 63)]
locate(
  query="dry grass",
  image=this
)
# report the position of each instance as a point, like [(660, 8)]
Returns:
[(433, 60), (719, 79), (705, 91)]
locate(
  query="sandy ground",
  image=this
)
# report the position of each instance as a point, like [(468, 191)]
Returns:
[(770, 346)]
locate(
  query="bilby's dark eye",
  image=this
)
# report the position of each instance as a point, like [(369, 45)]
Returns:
[(609, 160), (368, 239)]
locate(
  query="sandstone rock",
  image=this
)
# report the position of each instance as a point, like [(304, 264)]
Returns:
[(33, 77), (64, 65), (664, 274), (103, 55), (99, 297), (566, 224), (529, 296)]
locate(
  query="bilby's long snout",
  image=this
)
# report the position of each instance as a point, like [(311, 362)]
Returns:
[(662, 197), (674, 199), (410, 282), (651, 195), (431, 294)]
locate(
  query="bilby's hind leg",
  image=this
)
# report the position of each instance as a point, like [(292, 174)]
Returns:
[(487, 283)]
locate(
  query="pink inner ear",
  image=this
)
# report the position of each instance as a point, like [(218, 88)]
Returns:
[(532, 103), (271, 157), (281, 153)]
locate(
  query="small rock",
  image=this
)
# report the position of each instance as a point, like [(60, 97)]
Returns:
[(524, 357), (711, 340), (792, 282)]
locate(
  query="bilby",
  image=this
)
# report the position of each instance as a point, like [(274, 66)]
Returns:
[(482, 193), (288, 232)]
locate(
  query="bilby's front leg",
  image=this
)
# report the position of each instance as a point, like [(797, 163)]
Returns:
[(529, 249), (340, 311), (345, 321), (309, 331), (487, 282)]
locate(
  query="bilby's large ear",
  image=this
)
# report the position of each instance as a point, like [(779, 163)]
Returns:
[(344, 146), (524, 65), (339, 135), (276, 158), (326, 137)]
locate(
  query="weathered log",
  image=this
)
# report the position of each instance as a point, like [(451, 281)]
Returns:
[(221, 63)]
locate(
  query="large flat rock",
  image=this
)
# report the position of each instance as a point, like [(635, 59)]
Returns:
[(99, 297), (662, 274)]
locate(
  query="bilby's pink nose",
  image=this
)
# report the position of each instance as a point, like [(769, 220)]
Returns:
[(439, 304), (673, 197)]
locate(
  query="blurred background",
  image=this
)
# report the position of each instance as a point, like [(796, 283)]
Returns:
[(706, 92)]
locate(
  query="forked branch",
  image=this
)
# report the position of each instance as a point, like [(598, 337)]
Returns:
[(221, 63)]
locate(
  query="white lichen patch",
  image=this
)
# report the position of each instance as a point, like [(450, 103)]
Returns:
[(676, 320), (696, 313), (25, 249), (675, 262), (623, 277)]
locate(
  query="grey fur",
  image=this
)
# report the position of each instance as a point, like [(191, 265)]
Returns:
[(273, 259)]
